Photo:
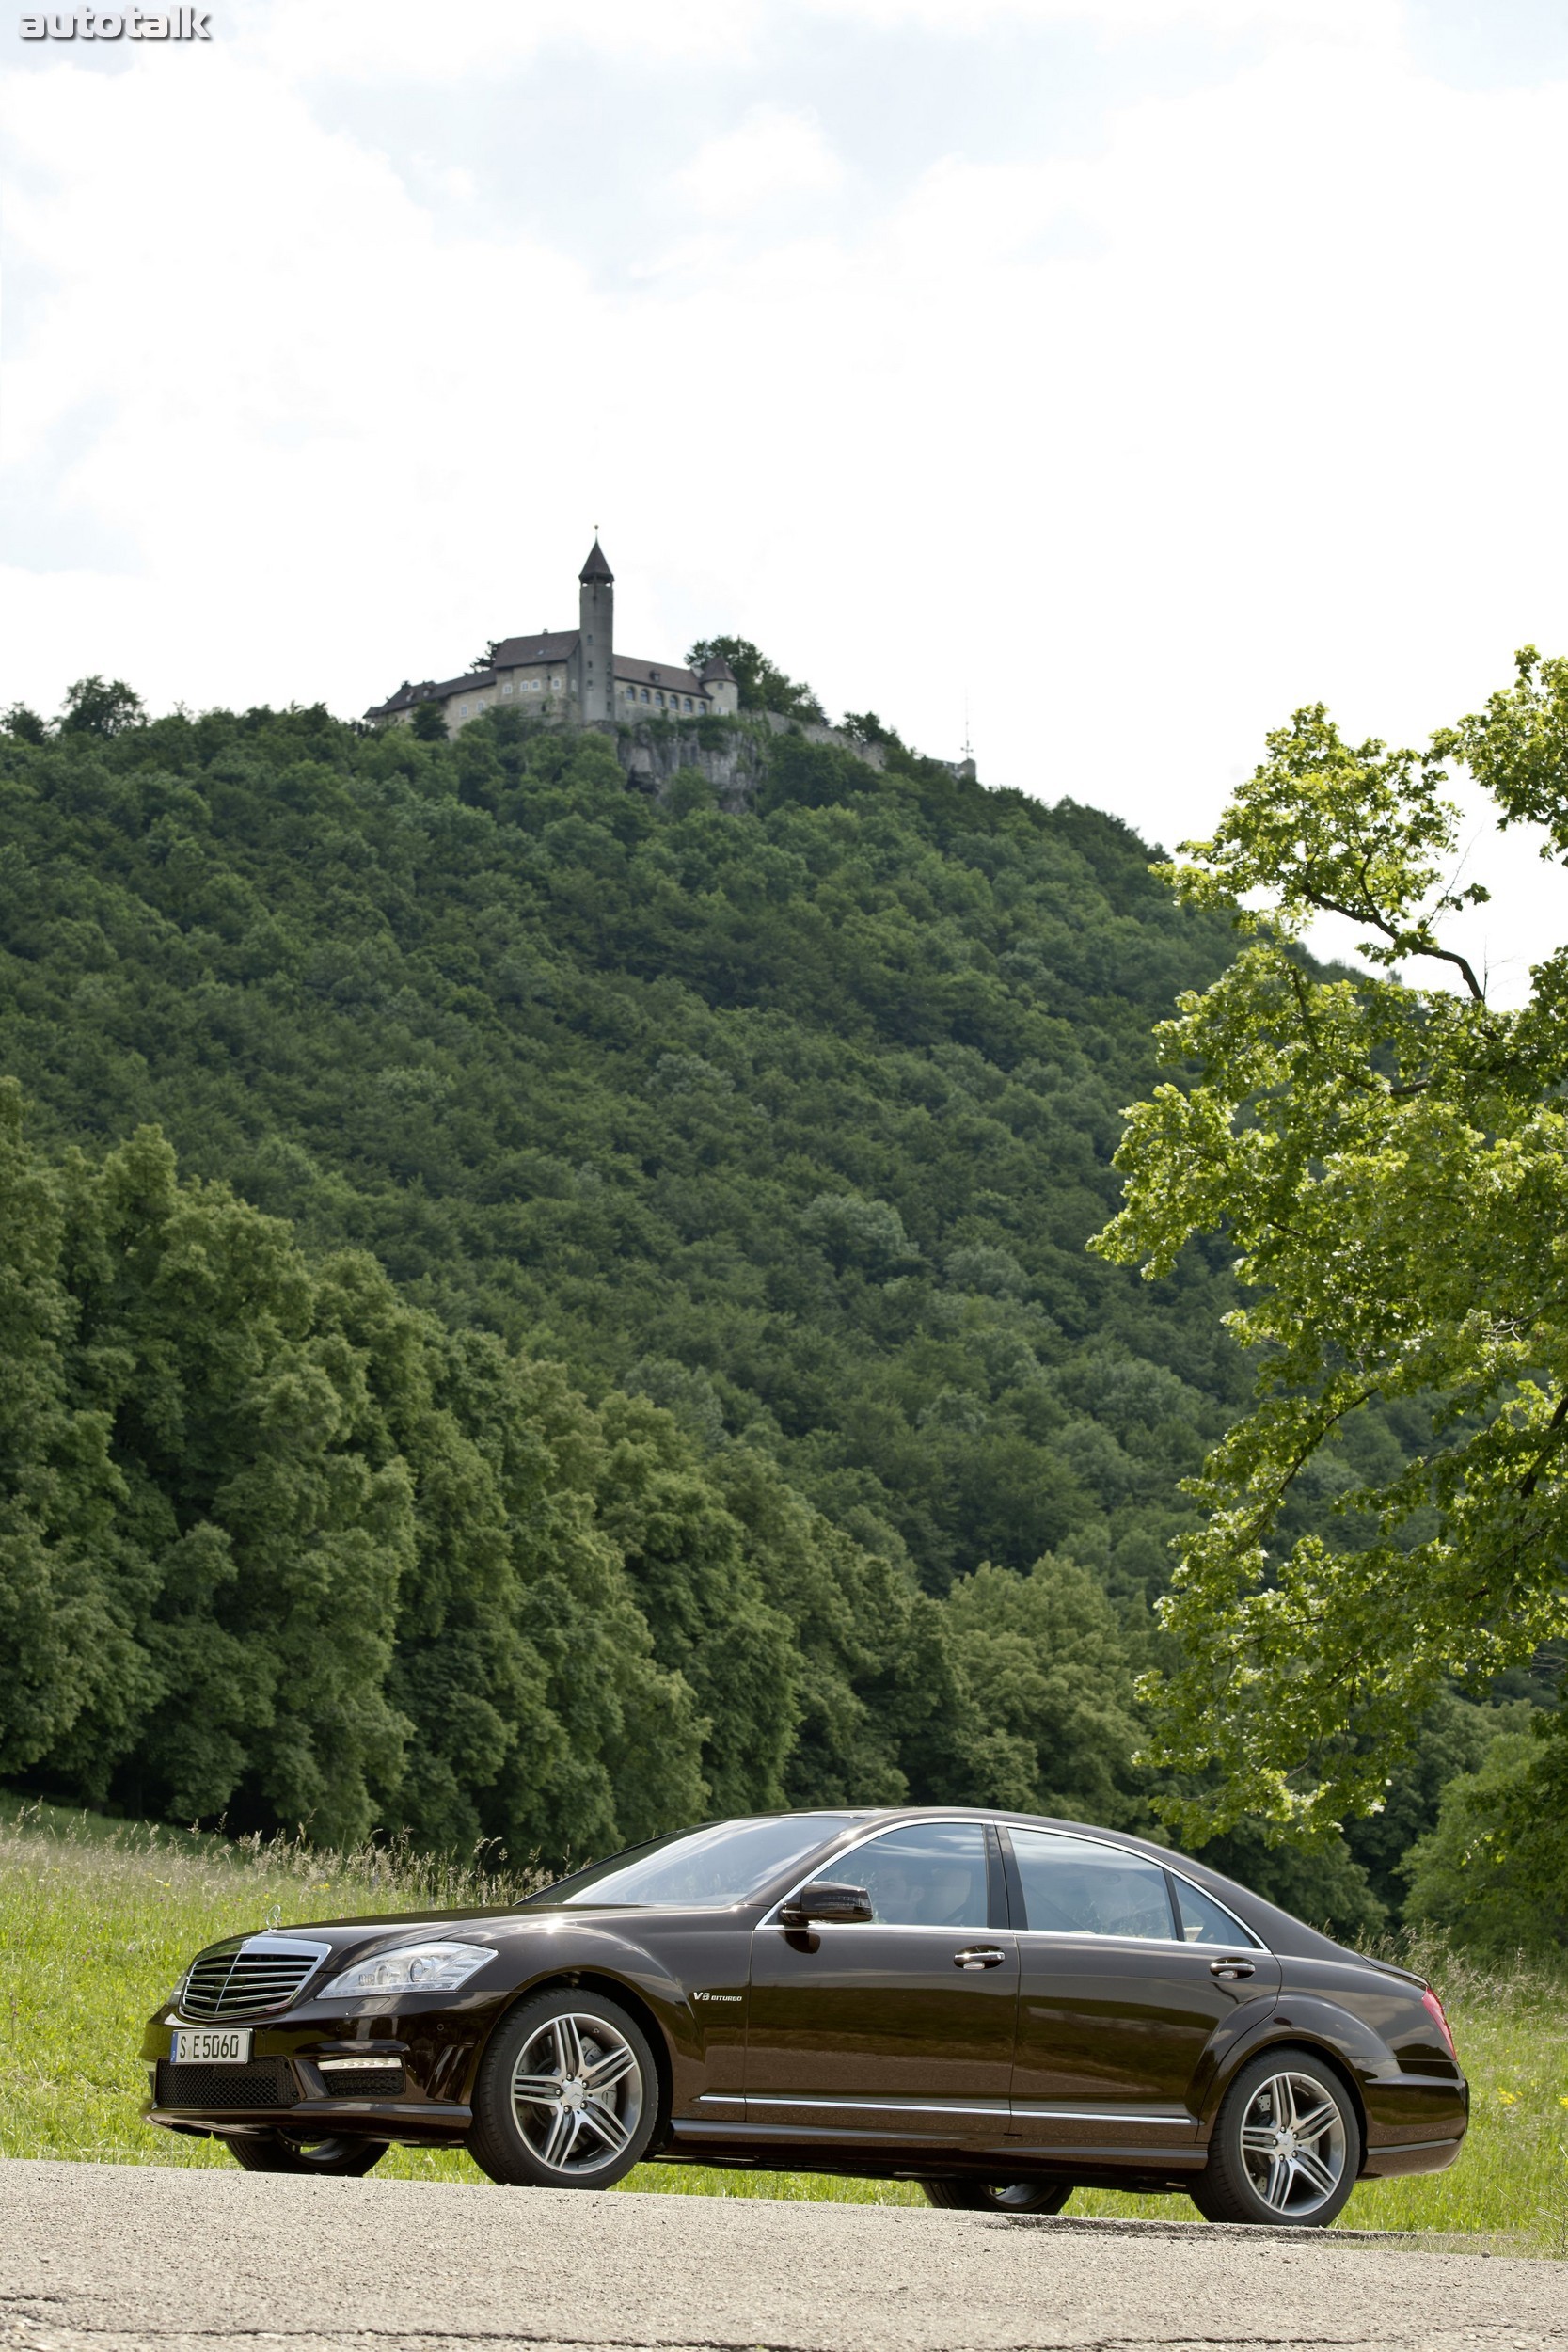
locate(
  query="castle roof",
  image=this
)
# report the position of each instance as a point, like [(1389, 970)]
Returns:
[(665, 674), (552, 644), (595, 568), (430, 690), (717, 667)]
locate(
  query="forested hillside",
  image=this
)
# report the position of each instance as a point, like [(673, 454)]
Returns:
[(605, 1329)]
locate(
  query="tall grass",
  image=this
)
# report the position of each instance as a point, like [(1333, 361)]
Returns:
[(98, 1919)]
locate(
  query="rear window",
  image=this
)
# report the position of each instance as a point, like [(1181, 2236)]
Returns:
[(1074, 1887), (1205, 1922)]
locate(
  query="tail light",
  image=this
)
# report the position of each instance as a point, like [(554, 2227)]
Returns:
[(1433, 2008)]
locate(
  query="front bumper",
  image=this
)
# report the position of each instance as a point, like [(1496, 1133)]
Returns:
[(318, 2073)]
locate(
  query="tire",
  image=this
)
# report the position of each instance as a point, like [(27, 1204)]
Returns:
[(594, 2107), (342, 2158), (1286, 2145), (961, 2195)]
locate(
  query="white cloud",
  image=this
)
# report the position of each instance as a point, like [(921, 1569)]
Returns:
[(1252, 400), (770, 154), (368, 39), (1357, 21)]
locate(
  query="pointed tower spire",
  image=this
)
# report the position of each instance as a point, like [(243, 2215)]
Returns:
[(596, 652)]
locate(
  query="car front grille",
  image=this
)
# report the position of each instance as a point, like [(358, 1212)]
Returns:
[(269, 2083), (266, 1972)]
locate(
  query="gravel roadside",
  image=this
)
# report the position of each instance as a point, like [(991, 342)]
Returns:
[(126, 2258)]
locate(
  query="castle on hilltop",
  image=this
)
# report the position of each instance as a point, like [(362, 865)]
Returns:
[(572, 676)]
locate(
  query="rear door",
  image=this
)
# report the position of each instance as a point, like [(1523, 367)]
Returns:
[(1127, 1977), (898, 2029)]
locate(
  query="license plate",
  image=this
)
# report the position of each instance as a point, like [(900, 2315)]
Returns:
[(209, 2045)]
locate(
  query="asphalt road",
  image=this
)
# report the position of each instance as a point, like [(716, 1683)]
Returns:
[(116, 2258)]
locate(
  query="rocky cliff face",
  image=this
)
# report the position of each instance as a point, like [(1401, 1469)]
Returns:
[(729, 753)]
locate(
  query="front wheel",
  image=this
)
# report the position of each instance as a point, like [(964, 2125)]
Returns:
[(342, 2158), (567, 2095), (1285, 2146), (961, 2195)]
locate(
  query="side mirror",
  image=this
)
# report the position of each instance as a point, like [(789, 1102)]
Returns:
[(826, 1899)]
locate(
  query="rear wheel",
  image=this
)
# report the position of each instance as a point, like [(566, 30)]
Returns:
[(966, 2196), (567, 2095), (1286, 2147), (342, 2158)]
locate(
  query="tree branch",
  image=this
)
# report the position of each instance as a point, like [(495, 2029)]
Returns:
[(1527, 1484), (1369, 915)]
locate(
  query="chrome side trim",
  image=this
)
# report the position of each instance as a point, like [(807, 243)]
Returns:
[(1089, 1939), (880, 2107), (1100, 2115), (720, 2098), (904, 1927), (1398, 2147)]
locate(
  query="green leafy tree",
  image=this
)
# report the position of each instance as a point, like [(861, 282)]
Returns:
[(1385, 1158), (24, 726), (63, 1612), (1493, 1871), (429, 723), (762, 686), (1045, 1666), (686, 1209), (865, 727), (98, 705)]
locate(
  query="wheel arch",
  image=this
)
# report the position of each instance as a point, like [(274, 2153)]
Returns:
[(624, 1995), (1317, 2047)]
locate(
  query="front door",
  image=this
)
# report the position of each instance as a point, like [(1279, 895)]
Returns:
[(1127, 1977), (895, 2031)]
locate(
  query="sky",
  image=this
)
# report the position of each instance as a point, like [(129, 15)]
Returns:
[(1106, 378)]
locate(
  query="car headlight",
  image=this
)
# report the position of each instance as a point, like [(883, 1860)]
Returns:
[(411, 1968)]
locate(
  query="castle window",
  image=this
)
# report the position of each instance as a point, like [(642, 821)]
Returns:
[(688, 702), (645, 693)]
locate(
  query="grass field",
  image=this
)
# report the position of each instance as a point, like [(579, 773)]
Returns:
[(98, 1919)]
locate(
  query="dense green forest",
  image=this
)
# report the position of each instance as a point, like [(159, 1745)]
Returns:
[(541, 1310)]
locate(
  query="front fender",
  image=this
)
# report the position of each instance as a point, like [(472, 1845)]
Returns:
[(704, 2038)]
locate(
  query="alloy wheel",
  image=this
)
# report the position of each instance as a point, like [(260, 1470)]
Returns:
[(576, 2092), (1293, 2145)]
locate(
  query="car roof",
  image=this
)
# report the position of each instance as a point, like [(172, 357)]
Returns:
[(1281, 1931)]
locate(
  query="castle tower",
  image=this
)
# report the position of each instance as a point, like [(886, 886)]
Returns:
[(595, 657), (723, 692)]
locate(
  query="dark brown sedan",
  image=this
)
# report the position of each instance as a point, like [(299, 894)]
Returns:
[(999, 2007)]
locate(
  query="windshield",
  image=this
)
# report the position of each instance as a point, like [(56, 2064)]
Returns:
[(705, 1869)]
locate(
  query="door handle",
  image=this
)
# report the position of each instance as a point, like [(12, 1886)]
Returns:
[(1228, 1969), (979, 1956)]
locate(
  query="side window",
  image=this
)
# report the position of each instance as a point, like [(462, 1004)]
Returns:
[(1074, 1887), (1203, 1920), (931, 1875)]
